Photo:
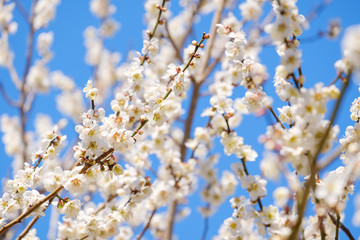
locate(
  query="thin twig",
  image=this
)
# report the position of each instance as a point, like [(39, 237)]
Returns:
[(206, 228), (32, 223), (52, 194), (227, 123), (104, 204), (342, 227), (275, 116), (213, 64), (323, 163), (7, 98), (22, 10), (28, 227), (23, 90), (177, 51), (322, 228), (31, 209), (191, 23), (338, 76), (337, 226), (14, 75), (151, 35), (147, 225), (247, 173)]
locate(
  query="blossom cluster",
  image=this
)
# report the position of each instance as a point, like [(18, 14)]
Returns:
[(143, 149)]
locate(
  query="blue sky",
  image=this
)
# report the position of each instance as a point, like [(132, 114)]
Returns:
[(73, 17)]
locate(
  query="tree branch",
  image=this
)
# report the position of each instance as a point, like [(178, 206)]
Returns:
[(147, 225), (314, 170), (342, 227)]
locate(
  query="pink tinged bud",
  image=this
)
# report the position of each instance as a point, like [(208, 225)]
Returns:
[(142, 119), (207, 36), (229, 115), (140, 132), (201, 45)]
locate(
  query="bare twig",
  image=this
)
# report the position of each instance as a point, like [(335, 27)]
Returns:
[(275, 116), (342, 227), (14, 75), (247, 173), (323, 163), (107, 201), (7, 98), (206, 227), (190, 23), (212, 65), (147, 225), (23, 90), (177, 51), (22, 10), (28, 227)]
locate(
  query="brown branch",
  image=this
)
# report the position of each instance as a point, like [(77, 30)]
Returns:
[(342, 227), (30, 210), (23, 90), (28, 227), (338, 76), (107, 201), (323, 163), (275, 116), (212, 65), (52, 194), (14, 75), (247, 173), (147, 225), (32, 222), (151, 35), (193, 103), (216, 19), (22, 10), (314, 170), (191, 23), (177, 51), (206, 226), (189, 119), (7, 98)]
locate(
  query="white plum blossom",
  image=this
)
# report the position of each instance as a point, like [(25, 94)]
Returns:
[(222, 104), (76, 184), (44, 12), (350, 45), (121, 139), (71, 208), (251, 9), (173, 124), (38, 78), (90, 91), (151, 47), (290, 59)]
